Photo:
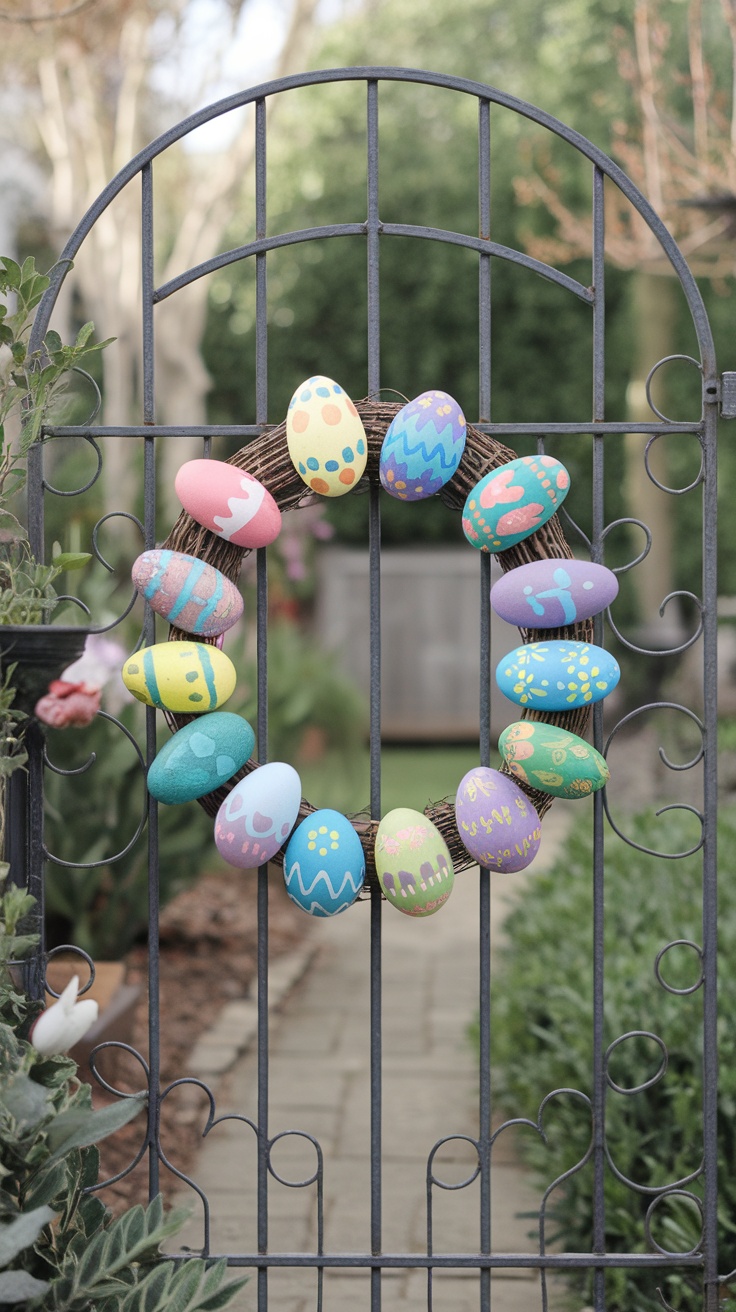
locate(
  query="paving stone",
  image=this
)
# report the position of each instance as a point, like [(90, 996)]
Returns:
[(319, 1083)]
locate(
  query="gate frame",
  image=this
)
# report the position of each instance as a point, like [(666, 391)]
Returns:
[(373, 230)]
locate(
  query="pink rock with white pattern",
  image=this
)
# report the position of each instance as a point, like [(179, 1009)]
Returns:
[(229, 502)]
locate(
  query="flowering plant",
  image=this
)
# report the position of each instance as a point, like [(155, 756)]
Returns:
[(60, 1248)]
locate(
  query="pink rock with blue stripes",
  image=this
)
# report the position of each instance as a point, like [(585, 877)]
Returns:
[(187, 592)]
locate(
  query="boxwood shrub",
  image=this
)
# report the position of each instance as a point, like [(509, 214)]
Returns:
[(542, 1040)]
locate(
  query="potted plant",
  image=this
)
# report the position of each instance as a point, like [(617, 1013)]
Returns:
[(30, 384)]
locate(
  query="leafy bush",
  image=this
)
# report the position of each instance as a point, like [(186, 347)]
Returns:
[(60, 1249), (104, 908), (542, 1040)]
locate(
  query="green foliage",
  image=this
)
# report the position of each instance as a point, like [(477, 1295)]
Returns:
[(542, 1040), (306, 692), (60, 1248), (104, 908)]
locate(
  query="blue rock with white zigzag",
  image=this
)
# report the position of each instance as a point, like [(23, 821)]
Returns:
[(324, 864)]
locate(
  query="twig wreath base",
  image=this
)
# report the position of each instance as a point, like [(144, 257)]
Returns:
[(267, 459)]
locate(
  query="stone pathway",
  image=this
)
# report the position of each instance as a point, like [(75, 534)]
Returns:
[(319, 1084)]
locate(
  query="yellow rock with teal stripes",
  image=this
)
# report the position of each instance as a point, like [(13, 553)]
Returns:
[(180, 676)]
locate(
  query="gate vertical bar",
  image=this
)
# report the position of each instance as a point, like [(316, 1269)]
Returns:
[(710, 857), (374, 547), (149, 637), (484, 924), (262, 664), (599, 1097)]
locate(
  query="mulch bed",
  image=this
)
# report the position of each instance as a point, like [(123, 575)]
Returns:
[(208, 958)]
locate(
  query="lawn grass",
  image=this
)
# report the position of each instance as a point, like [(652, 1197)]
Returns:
[(410, 776)]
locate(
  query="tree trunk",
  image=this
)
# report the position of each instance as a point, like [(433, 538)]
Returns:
[(655, 303)]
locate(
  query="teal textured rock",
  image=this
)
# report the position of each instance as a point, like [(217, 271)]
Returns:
[(201, 757)]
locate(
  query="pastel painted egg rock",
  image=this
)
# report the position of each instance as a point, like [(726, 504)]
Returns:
[(326, 437), (552, 759), (324, 864), (423, 447), (200, 757), (229, 502), (258, 815), (496, 821), (558, 675), (413, 863), (550, 593), (510, 503), (187, 592), (180, 676)]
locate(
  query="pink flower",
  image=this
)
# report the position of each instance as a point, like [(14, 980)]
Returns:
[(500, 489), (62, 1025), (68, 705)]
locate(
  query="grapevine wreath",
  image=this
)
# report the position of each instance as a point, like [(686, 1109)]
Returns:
[(267, 459)]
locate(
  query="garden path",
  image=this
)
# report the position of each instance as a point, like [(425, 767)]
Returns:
[(319, 1084)]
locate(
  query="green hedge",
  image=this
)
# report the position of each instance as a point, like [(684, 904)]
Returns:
[(542, 1040)]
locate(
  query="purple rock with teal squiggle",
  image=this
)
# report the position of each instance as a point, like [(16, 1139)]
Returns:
[(547, 594), (422, 447)]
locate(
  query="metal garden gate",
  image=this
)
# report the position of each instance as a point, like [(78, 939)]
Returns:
[(604, 436)]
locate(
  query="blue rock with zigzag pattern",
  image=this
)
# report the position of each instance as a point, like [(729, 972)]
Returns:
[(423, 447), (324, 864)]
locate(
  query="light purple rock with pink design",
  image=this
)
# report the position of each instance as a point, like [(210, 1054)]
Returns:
[(258, 815)]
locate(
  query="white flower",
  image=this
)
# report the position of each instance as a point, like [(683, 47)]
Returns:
[(62, 1025)]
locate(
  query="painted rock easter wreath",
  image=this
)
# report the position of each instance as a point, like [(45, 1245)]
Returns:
[(329, 446)]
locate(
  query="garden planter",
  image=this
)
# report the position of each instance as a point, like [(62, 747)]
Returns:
[(40, 652)]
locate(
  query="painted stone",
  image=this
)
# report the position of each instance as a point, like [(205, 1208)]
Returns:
[(413, 863), (180, 676), (552, 759), (423, 447), (496, 821), (510, 503), (558, 675), (324, 864), (326, 437), (200, 757), (229, 502), (258, 815), (547, 594), (187, 592)]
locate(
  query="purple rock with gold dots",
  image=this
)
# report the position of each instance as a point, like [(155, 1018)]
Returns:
[(423, 447), (550, 593), (258, 815)]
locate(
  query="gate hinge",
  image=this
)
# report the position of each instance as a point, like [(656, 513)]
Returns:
[(727, 395)]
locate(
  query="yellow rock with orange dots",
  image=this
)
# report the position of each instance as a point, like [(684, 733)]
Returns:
[(326, 438)]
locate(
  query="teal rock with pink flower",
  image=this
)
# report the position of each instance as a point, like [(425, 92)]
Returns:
[(510, 503), (423, 447)]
